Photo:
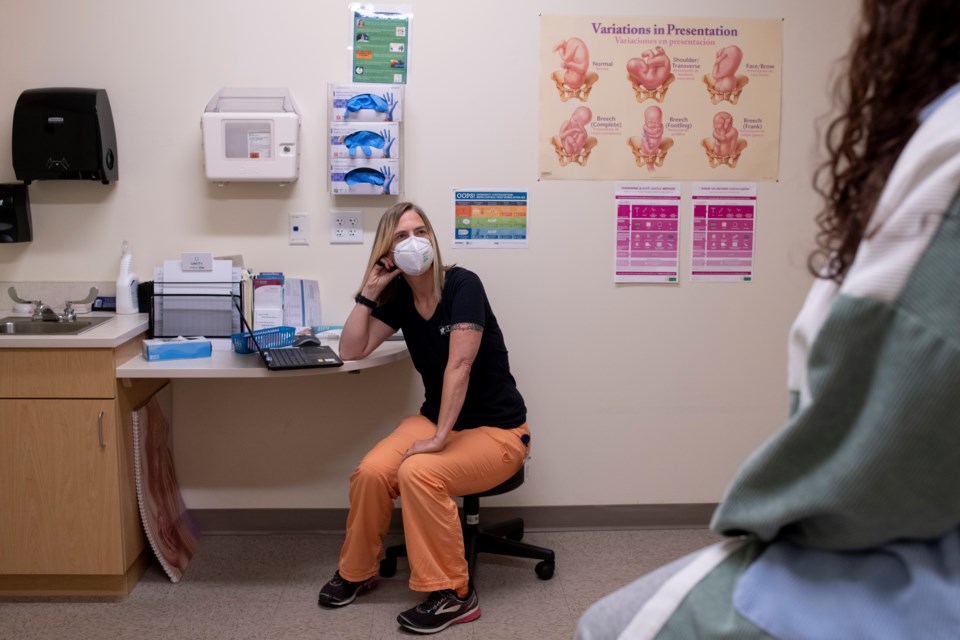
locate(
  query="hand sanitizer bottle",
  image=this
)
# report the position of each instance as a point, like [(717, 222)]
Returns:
[(127, 282)]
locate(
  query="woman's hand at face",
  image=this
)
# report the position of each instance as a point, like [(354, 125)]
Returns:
[(382, 274)]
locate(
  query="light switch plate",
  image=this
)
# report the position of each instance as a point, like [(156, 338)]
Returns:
[(299, 228)]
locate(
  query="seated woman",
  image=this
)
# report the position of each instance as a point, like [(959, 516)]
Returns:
[(471, 433)]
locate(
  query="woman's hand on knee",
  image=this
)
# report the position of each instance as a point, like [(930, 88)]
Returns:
[(430, 445)]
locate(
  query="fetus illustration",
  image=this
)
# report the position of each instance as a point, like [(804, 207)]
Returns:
[(723, 83), (574, 143), (650, 149), (650, 74), (725, 147), (575, 79), (652, 130)]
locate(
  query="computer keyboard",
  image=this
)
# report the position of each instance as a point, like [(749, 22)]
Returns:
[(287, 357)]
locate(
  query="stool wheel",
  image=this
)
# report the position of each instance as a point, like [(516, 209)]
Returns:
[(516, 535), (388, 567), (544, 569)]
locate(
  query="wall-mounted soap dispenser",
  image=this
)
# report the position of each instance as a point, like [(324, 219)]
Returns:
[(64, 134), (15, 214)]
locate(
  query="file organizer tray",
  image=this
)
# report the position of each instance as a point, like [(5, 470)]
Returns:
[(212, 315)]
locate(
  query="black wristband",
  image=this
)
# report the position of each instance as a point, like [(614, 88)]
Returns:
[(367, 302)]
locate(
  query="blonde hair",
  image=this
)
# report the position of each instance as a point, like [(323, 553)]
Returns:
[(383, 245)]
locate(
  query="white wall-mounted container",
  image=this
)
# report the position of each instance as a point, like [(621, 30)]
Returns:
[(251, 135)]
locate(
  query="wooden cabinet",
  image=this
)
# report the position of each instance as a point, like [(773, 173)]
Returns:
[(69, 523), (59, 487)]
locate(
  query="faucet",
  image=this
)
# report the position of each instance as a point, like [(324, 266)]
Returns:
[(43, 312), (69, 313)]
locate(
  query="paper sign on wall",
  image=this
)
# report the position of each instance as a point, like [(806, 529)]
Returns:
[(654, 98), (490, 219), (381, 42), (648, 232), (724, 231)]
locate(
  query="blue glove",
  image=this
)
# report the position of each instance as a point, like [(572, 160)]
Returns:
[(387, 179), (365, 140), (366, 101), (363, 175)]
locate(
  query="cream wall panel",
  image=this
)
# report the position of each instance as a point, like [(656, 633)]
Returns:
[(637, 394)]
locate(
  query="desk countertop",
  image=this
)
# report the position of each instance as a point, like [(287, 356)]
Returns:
[(222, 364), (227, 364)]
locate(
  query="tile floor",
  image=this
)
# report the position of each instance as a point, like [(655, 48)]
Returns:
[(265, 588)]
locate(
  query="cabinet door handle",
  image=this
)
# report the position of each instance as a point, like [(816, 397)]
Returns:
[(100, 429)]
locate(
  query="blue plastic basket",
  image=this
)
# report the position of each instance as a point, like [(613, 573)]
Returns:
[(266, 338)]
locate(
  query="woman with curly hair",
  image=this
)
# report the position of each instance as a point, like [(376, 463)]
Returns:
[(846, 523)]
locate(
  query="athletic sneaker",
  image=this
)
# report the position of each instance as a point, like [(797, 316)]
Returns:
[(440, 610), (339, 592)]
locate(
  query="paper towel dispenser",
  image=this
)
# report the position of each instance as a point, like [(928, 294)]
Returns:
[(15, 214), (64, 134)]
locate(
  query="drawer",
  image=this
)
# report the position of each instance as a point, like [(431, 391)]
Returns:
[(57, 373)]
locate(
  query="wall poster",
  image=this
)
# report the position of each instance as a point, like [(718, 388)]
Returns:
[(724, 231), (648, 232), (381, 43), (653, 98), (490, 219)]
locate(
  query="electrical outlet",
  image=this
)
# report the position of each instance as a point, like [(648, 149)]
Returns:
[(299, 228), (346, 226)]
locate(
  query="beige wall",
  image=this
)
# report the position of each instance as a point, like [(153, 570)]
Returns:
[(636, 394)]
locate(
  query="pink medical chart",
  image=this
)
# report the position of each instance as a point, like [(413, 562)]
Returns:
[(724, 231), (648, 232)]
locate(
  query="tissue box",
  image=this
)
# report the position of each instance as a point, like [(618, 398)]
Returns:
[(176, 348)]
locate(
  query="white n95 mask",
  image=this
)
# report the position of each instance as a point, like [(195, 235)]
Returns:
[(413, 256)]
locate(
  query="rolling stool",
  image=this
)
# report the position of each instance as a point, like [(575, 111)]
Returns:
[(503, 538)]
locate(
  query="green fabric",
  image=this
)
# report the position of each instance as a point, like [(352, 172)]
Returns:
[(873, 458), (706, 611), (876, 455)]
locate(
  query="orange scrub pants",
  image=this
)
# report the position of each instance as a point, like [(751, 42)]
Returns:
[(472, 461)]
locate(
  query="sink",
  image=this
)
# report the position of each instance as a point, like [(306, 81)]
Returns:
[(21, 326)]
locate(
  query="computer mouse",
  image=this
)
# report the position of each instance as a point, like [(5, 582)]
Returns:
[(306, 341)]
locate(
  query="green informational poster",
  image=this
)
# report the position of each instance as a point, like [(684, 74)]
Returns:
[(380, 44)]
